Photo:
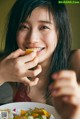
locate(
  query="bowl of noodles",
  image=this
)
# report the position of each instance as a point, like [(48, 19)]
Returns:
[(28, 110)]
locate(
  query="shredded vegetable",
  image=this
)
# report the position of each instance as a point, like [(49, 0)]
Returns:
[(36, 113)]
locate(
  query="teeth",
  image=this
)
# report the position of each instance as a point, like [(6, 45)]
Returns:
[(36, 49)]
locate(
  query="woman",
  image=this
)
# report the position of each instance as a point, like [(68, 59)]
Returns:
[(42, 25)]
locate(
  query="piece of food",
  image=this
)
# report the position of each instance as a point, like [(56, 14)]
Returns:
[(36, 113), (28, 51)]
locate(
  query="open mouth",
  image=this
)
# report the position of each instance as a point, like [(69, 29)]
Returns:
[(37, 49)]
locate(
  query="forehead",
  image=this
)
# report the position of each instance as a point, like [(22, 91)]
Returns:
[(41, 13)]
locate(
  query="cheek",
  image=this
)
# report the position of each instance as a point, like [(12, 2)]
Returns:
[(51, 40), (20, 39)]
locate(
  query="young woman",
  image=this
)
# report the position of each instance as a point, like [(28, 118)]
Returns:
[(42, 25)]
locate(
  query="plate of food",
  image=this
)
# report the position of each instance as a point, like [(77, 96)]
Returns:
[(28, 110)]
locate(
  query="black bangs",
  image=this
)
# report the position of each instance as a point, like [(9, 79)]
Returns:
[(25, 8)]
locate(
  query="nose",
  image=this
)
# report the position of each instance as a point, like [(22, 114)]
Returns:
[(33, 36)]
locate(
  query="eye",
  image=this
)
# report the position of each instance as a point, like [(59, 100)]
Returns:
[(23, 27), (44, 27)]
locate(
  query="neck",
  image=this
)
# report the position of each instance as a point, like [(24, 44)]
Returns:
[(45, 68)]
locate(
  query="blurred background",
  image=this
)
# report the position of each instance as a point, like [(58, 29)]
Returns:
[(74, 14)]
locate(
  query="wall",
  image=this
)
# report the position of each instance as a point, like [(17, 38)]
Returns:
[(5, 6), (74, 13)]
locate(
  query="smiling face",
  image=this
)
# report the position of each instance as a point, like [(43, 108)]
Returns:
[(38, 32)]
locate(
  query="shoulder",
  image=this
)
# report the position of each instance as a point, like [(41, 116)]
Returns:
[(74, 61), (74, 56), (75, 52)]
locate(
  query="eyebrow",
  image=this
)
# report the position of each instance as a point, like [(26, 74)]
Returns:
[(41, 21), (48, 22)]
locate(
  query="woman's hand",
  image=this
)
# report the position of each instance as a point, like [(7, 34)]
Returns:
[(66, 94), (16, 68)]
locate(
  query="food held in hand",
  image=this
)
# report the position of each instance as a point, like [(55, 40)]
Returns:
[(28, 51)]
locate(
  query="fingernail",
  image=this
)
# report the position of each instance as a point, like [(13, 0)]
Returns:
[(65, 98), (50, 87), (55, 91), (55, 75)]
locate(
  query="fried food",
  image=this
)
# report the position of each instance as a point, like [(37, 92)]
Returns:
[(28, 51), (36, 113)]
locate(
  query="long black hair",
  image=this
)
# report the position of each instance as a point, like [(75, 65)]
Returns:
[(22, 9)]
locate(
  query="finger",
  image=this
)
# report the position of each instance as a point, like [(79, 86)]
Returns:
[(64, 73), (32, 63), (62, 82), (27, 58), (35, 72), (29, 82), (64, 91), (71, 100), (16, 54)]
